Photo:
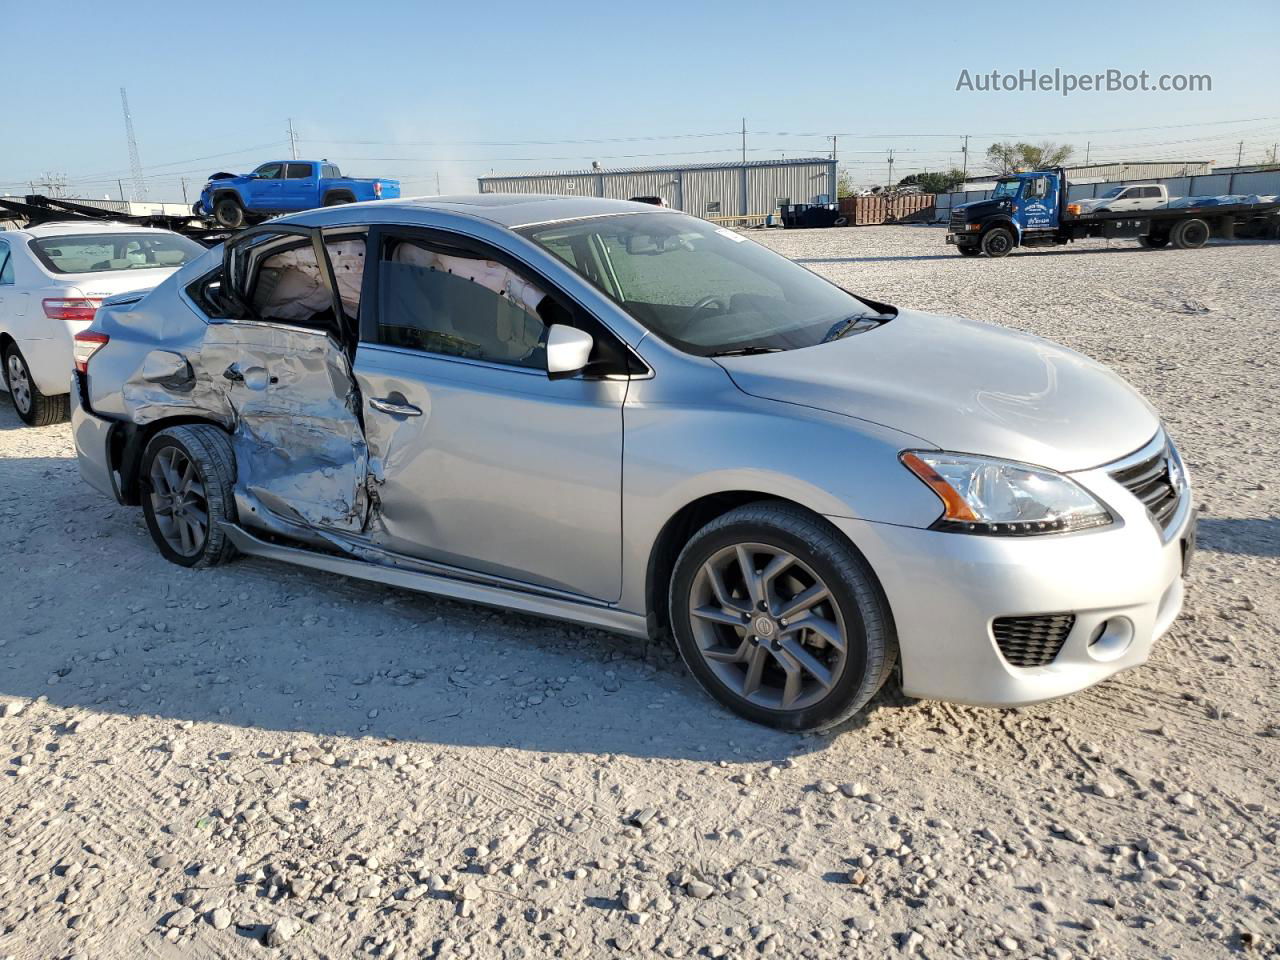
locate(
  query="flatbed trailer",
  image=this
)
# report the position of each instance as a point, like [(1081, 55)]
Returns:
[(36, 209), (1026, 210)]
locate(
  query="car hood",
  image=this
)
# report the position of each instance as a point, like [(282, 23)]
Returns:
[(963, 386)]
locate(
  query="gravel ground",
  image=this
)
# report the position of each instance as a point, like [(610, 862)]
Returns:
[(262, 761)]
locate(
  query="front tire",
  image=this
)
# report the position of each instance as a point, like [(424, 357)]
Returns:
[(780, 618), (34, 408), (997, 242), (187, 480), (228, 213)]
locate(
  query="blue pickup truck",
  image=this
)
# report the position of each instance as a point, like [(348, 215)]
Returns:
[(285, 186)]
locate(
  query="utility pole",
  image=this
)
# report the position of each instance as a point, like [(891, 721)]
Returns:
[(832, 138), (891, 168), (744, 139), (1087, 145), (964, 172), (293, 141), (1239, 153), (1275, 147), (121, 186), (437, 183)]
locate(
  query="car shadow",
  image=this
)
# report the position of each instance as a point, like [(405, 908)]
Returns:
[(1250, 536), (97, 621)]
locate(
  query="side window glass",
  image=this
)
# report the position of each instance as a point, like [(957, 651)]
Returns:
[(459, 305), (346, 254), (6, 263), (269, 171), (288, 288), (298, 171)]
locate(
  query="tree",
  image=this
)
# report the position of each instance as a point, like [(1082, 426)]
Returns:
[(1012, 157), (844, 185), (939, 182)]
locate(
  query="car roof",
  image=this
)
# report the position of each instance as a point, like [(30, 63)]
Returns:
[(66, 228), (508, 210)]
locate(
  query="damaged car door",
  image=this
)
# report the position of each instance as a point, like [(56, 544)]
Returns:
[(480, 459), (283, 365)]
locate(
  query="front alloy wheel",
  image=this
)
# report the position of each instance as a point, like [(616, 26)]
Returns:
[(779, 617), (767, 626)]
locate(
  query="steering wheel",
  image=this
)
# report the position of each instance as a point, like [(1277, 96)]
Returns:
[(704, 305)]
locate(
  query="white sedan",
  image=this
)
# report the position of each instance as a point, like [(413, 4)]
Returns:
[(53, 278)]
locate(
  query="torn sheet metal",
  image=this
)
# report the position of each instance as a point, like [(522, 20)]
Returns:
[(288, 398)]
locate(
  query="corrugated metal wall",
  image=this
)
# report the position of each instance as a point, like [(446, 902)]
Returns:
[(730, 191), (802, 183)]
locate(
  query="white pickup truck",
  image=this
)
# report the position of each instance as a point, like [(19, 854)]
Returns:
[(1144, 196)]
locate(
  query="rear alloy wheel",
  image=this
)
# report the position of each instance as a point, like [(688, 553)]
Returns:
[(1190, 234), (780, 619), (187, 478), (33, 407), (997, 242), (228, 213)]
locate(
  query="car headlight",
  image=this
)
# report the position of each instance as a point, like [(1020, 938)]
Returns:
[(999, 497)]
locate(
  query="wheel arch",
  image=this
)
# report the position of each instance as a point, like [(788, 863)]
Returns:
[(339, 193), (127, 446), (680, 528)]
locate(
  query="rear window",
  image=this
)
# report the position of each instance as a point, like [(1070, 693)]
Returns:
[(298, 171), (114, 252)]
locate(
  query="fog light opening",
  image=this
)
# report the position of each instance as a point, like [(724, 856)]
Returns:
[(1111, 638)]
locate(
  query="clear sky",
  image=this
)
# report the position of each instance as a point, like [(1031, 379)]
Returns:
[(416, 90)]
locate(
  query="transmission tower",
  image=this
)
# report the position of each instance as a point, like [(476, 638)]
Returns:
[(139, 190)]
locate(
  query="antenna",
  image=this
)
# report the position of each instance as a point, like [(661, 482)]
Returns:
[(139, 190)]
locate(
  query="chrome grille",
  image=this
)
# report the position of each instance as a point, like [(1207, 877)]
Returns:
[(1032, 641), (957, 220), (1153, 482)]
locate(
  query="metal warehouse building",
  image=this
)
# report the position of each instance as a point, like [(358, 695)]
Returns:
[(744, 191)]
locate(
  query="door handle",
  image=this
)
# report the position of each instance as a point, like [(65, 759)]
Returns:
[(386, 405)]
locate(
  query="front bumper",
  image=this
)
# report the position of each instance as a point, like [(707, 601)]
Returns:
[(945, 589)]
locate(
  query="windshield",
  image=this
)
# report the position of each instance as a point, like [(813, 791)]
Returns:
[(703, 288), (110, 252), (1006, 188)]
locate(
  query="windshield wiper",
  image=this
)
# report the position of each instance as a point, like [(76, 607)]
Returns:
[(854, 324), (746, 351)]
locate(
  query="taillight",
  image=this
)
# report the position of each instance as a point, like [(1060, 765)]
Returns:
[(377, 189), (86, 344), (77, 309)]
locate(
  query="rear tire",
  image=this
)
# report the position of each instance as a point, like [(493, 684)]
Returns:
[(1190, 234), (794, 674), (228, 213), (34, 408), (997, 242), (187, 479)]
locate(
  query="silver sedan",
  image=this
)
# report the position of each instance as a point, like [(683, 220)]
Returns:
[(630, 418)]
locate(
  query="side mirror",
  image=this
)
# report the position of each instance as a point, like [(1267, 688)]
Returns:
[(568, 349)]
